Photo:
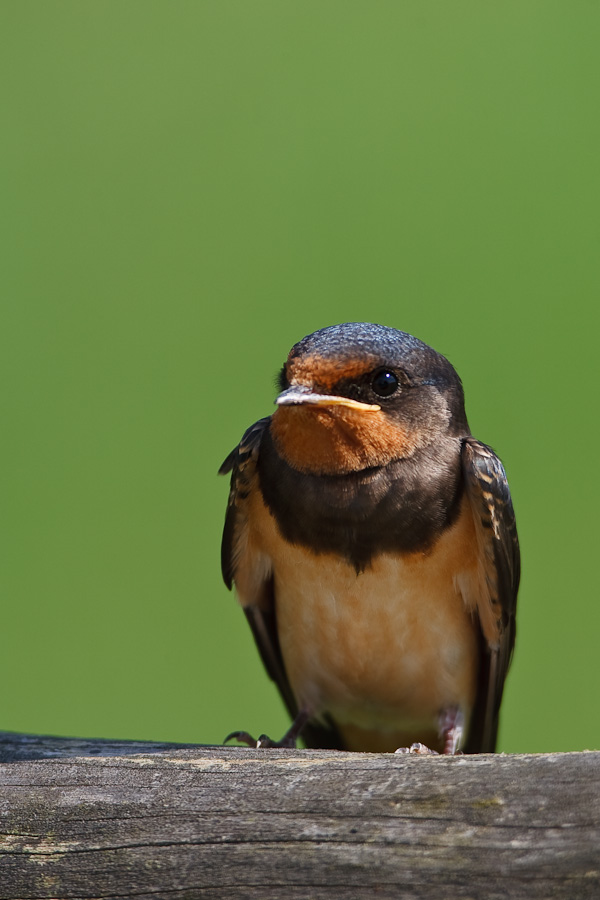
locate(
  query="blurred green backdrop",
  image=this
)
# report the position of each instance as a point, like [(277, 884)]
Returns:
[(191, 187)]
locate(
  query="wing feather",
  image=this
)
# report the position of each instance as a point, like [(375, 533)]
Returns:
[(494, 518)]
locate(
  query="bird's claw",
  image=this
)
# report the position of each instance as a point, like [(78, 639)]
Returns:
[(242, 737), (263, 742), (417, 749)]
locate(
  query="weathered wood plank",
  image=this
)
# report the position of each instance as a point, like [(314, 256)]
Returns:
[(16, 747), (215, 822)]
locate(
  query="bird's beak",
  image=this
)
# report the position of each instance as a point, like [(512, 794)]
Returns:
[(299, 395)]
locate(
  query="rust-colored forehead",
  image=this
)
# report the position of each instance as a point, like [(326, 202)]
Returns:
[(316, 371)]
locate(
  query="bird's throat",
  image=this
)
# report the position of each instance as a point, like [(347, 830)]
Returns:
[(340, 440)]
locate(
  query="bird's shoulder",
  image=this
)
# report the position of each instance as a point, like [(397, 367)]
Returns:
[(242, 463)]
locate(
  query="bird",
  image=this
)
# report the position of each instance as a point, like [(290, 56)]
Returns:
[(372, 543)]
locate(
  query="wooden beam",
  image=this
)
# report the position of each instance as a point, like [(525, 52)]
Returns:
[(101, 819)]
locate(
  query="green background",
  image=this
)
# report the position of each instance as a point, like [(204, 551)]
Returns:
[(191, 187)]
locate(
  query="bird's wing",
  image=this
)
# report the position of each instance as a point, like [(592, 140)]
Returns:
[(243, 564), (495, 528), (242, 463)]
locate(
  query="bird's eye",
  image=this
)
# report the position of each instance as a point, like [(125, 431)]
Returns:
[(385, 383)]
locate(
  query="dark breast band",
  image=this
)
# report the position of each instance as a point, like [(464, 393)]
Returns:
[(402, 507)]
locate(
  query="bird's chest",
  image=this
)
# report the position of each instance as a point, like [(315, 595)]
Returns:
[(401, 507)]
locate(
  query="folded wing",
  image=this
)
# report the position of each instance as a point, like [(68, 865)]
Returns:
[(495, 528)]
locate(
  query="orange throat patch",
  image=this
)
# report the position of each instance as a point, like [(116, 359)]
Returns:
[(337, 440)]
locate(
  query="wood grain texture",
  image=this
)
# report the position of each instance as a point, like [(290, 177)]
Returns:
[(94, 819)]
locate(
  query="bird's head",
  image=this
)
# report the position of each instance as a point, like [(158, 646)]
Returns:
[(357, 395)]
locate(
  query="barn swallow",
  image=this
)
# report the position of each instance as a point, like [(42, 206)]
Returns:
[(372, 544)]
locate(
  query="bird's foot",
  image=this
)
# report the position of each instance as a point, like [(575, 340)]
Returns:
[(450, 730), (451, 727), (288, 741), (417, 749), (264, 741)]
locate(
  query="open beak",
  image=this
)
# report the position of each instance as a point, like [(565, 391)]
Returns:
[(299, 395)]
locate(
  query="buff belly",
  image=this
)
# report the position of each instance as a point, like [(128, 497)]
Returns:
[(383, 652)]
